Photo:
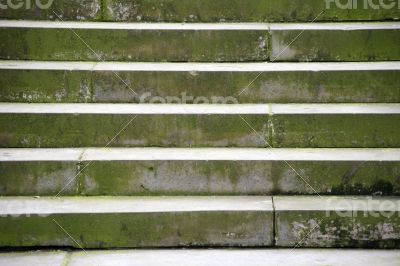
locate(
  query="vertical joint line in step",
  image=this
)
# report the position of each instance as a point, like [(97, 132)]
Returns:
[(273, 223), (79, 171)]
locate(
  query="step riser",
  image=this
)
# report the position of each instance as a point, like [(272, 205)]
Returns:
[(337, 222), (206, 45), (336, 230), (309, 131), (133, 45), (363, 45), (201, 11), (140, 230), (37, 86), (125, 178)]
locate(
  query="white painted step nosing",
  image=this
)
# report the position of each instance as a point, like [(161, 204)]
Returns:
[(199, 67), (198, 154), (206, 257), (199, 26), (76, 205), (336, 203), (66, 205), (199, 109)]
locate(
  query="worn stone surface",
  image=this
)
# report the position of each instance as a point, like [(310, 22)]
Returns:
[(337, 222), (133, 45), (241, 227), (45, 258), (291, 131), (195, 11), (45, 86), (36, 86), (335, 45), (52, 10), (149, 178), (144, 131), (38, 178), (331, 131), (177, 178), (337, 178)]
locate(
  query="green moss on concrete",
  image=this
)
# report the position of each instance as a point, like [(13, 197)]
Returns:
[(319, 45), (199, 11), (177, 178), (341, 229), (45, 86), (37, 178), (139, 230), (277, 87), (313, 229), (341, 131), (30, 130), (133, 45), (238, 11), (337, 178)]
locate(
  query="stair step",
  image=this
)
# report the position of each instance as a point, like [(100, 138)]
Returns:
[(119, 222), (337, 222), (38, 40), (203, 11), (74, 41), (217, 257), (194, 171), (120, 82), (136, 222), (200, 125)]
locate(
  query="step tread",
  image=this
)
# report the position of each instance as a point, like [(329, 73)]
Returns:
[(200, 26), (345, 203), (198, 67), (283, 257), (186, 109), (74, 205), (199, 154)]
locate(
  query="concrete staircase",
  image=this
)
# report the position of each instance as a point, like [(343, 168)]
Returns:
[(221, 124)]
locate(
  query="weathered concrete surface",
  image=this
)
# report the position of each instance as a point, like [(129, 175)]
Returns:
[(38, 178), (149, 172), (180, 130), (136, 222), (335, 45), (45, 258), (177, 178), (334, 131), (133, 45), (337, 222), (227, 257), (239, 11), (71, 83), (199, 11), (337, 178), (80, 10), (231, 129)]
